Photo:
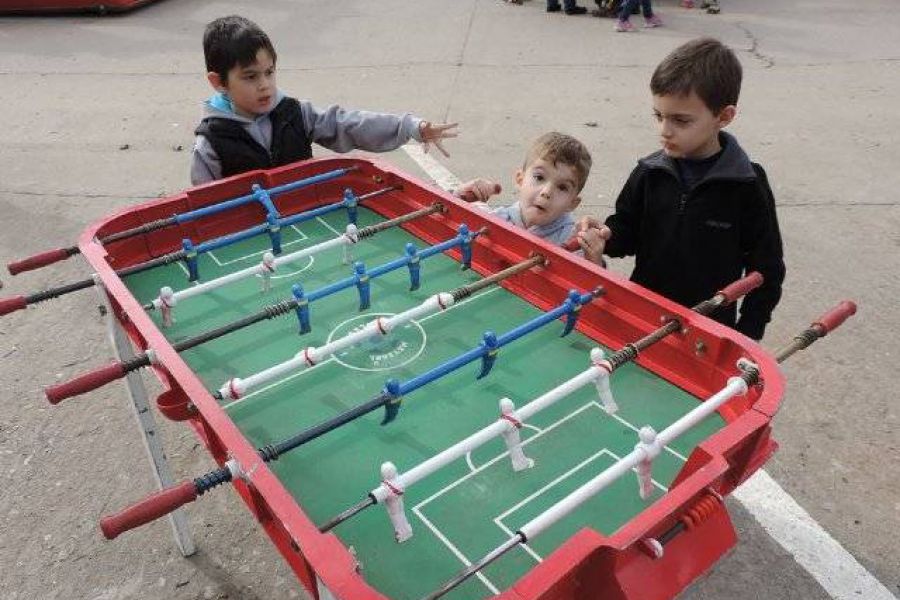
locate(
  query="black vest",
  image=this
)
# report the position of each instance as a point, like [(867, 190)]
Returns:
[(238, 152)]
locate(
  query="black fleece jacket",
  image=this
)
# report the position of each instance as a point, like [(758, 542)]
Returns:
[(689, 243)]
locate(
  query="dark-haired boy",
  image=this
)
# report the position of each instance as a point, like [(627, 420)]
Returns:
[(698, 214), (250, 124)]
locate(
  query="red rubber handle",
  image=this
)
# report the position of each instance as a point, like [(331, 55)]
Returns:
[(8, 305), (834, 317), (149, 509), (741, 287), (85, 383), (37, 261)]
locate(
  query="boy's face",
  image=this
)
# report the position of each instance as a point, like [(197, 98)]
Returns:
[(546, 191), (251, 88), (687, 128)]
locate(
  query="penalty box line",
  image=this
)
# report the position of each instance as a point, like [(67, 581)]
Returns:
[(331, 359), (498, 520), (223, 263), (456, 551), (303, 237), (418, 508)]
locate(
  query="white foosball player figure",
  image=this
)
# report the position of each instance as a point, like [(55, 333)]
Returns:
[(352, 235), (167, 302), (598, 357), (511, 436), (267, 268), (394, 503), (651, 450)]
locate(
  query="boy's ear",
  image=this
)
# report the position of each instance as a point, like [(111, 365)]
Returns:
[(520, 176), (726, 115), (575, 202), (215, 80)]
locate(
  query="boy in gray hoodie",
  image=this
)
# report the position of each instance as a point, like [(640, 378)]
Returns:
[(548, 188), (250, 124)]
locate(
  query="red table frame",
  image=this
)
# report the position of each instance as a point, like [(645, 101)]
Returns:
[(698, 359)]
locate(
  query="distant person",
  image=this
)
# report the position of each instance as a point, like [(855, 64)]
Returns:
[(568, 6), (698, 214), (548, 185), (623, 23), (250, 124), (711, 6)]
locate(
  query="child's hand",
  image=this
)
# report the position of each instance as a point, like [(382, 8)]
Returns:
[(433, 134), (592, 236), (478, 190)]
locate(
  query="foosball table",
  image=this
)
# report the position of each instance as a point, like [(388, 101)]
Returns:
[(415, 399)]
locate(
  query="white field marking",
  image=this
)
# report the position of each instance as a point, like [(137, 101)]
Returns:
[(836, 570), (329, 227), (303, 237), (311, 260), (438, 172), (277, 383), (634, 469), (509, 533), (462, 557), (369, 318), (635, 429), (186, 272), (540, 432), (469, 461), (553, 482), (458, 304), (498, 520), (417, 323), (564, 476), (501, 456), (331, 358)]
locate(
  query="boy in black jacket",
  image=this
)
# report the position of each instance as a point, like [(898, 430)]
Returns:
[(698, 214)]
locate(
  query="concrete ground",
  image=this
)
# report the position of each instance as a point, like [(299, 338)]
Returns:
[(99, 113)]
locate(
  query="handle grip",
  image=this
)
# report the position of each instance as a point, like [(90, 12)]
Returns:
[(85, 383), (741, 287), (38, 260), (149, 509), (833, 318), (8, 305)]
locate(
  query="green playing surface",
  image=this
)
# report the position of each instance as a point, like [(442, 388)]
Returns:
[(463, 511)]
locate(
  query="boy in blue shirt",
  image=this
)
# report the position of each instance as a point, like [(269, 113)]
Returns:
[(698, 214), (250, 124)]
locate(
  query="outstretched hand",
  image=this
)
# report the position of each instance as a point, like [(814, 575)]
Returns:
[(478, 190), (434, 133), (592, 236)]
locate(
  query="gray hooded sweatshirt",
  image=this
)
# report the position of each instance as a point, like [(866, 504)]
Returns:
[(334, 128)]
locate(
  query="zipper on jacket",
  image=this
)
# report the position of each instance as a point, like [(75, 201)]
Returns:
[(682, 203)]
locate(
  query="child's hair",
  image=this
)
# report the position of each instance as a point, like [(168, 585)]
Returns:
[(704, 66), (234, 40), (561, 148)]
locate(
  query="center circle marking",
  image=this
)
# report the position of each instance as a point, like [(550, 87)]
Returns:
[(380, 353)]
